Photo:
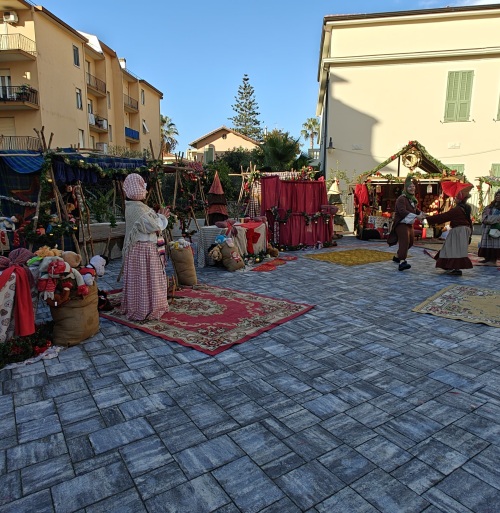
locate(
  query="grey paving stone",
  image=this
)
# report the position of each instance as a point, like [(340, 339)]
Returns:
[(444, 502), (23, 455), (10, 488), (309, 484), (326, 406), (247, 413), (40, 502), (480, 426), (346, 463), (282, 505), (279, 405), (247, 485), (80, 449), (259, 443), (39, 428), (207, 456), (282, 465), (417, 476), (35, 411), (12, 386), (141, 374), (200, 495), (109, 396), (456, 380), (89, 488), (461, 440), (287, 384), (350, 431), (347, 500), (312, 442), (207, 414), (78, 410), (358, 393), (300, 420), (415, 425), (442, 413), (181, 437), (439, 455), (384, 453), (159, 480), (161, 422), (387, 494), (93, 462), (119, 435), (145, 455), (485, 466), (46, 474), (125, 502), (146, 405), (470, 491)]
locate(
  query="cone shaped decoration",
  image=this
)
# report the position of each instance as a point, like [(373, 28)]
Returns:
[(217, 210)]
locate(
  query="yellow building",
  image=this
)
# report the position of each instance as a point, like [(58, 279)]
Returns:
[(429, 75), (72, 84)]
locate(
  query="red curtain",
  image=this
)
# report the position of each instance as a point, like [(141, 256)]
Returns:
[(300, 197)]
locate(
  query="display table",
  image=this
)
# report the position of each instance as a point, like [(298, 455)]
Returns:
[(378, 222), (250, 238)]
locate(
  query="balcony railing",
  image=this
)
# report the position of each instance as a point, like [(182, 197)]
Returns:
[(98, 122), (131, 134), (18, 94), (313, 153), (96, 84), (130, 103), (17, 42), (20, 142)]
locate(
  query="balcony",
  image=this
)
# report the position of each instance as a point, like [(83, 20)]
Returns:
[(21, 97), (16, 47), (20, 142), (95, 85), (98, 123), (130, 104), (131, 135)]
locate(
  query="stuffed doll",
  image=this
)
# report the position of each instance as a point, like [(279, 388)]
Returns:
[(272, 251), (73, 259), (95, 268), (8, 223)]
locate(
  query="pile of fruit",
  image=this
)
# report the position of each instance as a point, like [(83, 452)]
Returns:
[(430, 205)]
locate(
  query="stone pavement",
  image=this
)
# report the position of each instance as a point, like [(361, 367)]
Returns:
[(360, 405)]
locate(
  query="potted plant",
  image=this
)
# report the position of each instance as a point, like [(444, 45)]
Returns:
[(24, 92)]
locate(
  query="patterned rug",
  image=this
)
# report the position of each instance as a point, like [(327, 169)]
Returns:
[(471, 304), (353, 256), (273, 264), (212, 319)]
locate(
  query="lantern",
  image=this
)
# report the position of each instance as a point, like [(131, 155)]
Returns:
[(378, 189), (429, 189)]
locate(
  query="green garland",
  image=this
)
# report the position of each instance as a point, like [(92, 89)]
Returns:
[(490, 181), (277, 218), (446, 171), (314, 217)]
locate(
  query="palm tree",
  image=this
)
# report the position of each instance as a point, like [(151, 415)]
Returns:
[(280, 150), (168, 133), (310, 130)]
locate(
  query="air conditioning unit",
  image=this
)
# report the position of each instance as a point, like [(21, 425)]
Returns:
[(10, 17), (102, 147)]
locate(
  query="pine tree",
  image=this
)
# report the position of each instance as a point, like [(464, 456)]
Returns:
[(245, 121)]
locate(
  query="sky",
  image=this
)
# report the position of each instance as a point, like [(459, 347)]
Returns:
[(197, 51)]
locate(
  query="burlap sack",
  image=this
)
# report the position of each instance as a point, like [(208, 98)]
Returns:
[(76, 320), (231, 257), (183, 262)]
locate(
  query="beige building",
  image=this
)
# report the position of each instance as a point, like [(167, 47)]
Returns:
[(429, 75), (70, 83), (206, 148)]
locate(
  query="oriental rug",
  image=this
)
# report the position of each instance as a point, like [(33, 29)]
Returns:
[(273, 264), (212, 319), (470, 304), (353, 256)]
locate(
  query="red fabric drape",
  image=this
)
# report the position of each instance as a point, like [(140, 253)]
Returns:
[(361, 199), (299, 197)]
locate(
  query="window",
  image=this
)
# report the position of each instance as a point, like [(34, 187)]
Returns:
[(495, 170), (459, 168), (76, 56), (79, 103), (90, 106), (110, 133), (209, 155), (145, 129), (81, 139), (458, 96), (108, 95), (5, 85), (92, 142), (143, 97)]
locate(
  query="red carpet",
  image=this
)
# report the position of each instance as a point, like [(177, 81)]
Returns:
[(272, 264), (212, 319)]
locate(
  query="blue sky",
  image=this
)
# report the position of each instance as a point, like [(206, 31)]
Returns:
[(196, 52)]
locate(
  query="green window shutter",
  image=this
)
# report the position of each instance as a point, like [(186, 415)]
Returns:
[(459, 168), (495, 170), (209, 155), (458, 96), (452, 96)]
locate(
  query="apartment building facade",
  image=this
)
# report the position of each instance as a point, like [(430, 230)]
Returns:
[(72, 84), (429, 75)]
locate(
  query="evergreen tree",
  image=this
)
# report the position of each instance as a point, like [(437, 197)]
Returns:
[(245, 121)]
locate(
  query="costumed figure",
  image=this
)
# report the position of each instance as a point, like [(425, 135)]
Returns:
[(406, 212), (145, 283), (452, 257), (490, 239)]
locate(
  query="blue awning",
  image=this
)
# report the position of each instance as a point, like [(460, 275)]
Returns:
[(29, 161)]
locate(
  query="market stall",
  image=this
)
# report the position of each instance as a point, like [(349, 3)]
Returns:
[(375, 193)]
